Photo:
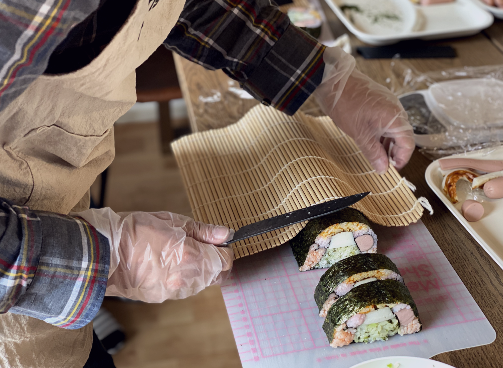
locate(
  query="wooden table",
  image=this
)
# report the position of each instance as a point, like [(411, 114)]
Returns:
[(477, 270)]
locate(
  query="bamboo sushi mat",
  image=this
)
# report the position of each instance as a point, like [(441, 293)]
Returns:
[(269, 163)]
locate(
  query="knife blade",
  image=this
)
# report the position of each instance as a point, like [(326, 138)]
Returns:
[(294, 217)]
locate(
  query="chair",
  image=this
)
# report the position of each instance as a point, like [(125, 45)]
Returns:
[(156, 80)]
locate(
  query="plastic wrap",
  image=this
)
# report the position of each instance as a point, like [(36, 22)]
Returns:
[(452, 111), (159, 256)]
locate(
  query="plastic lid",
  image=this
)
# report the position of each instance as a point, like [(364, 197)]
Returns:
[(468, 103)]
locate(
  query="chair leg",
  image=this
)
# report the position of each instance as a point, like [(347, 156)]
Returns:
[(103, 188), (167, 132)]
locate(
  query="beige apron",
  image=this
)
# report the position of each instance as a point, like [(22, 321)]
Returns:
[(55, 139)]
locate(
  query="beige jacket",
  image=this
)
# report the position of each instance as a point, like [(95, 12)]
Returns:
[(56, 138)]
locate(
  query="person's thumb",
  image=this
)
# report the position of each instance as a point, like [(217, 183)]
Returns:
[(206, 233)]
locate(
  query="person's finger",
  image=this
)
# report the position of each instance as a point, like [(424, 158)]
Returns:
[(374, 151), (226, 256), (206, 233), (195, 252), (198, 265), (402, 150)]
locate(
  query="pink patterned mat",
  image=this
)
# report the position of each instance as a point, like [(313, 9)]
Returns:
[(275, 319)]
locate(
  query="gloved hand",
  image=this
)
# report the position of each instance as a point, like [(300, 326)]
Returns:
[(159, 256), (366, 111), (498, 3)]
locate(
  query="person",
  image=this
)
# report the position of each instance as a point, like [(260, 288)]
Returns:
[(66, 75)]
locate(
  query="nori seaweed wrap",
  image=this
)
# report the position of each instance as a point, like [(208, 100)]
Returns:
[(350, 272), (329, 239), (370, 312)]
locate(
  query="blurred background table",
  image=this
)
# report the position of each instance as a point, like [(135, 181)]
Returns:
[(212, 105)]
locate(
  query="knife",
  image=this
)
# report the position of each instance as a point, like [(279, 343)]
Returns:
[(294, 217)]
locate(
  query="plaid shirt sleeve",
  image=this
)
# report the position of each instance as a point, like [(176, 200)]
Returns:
[(52, 267), (255, 44), (30, 30)]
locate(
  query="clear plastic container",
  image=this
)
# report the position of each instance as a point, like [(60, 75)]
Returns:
[(456, 116)]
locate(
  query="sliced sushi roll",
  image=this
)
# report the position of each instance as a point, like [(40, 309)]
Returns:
[(352, 272), (371, 312), (329, 239), (307, 19)]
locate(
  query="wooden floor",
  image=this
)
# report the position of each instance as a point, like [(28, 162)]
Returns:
[(194, 332)]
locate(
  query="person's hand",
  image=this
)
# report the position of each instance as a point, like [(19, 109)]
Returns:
[(366, 111), (159, 256), (497, 3)]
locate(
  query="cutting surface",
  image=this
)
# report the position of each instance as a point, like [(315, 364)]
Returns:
[(275, 319)]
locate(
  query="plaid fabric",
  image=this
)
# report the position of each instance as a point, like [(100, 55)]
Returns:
[(251, 40), (52, 267), (29, 31), (254, 43)]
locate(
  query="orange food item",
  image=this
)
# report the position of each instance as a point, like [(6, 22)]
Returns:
[(451, 180)]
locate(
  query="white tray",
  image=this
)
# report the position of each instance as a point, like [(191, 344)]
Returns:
[(497, 12), (402, 362), (488, 232), (456, 19)]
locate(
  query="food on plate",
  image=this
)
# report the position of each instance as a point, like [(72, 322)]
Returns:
[(481, 180), (432, 2), (329, 239), (378, 18), (496, 3), (471, 163), (350, 273), (494, 188), (306, 19), (451, 179), (371, 312), (472, 210)]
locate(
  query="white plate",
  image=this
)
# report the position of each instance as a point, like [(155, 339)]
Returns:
[(456, 19), (405, 362), (497, 12), (488, 232)]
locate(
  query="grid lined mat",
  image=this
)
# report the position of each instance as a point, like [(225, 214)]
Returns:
[(269, 164), (275, 320)]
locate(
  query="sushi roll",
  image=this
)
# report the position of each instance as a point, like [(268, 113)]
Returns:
[(371, 312), (329, 239), (309, 20), (352, 272)]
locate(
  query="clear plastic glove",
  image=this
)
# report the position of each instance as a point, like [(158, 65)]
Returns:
[(366, 111), (159, 256)]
